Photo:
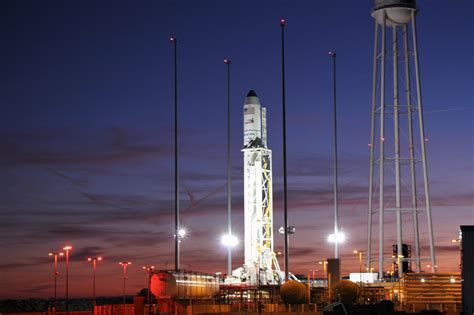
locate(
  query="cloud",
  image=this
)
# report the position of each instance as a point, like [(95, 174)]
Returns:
[(108, 146)]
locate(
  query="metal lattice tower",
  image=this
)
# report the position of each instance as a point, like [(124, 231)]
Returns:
[(402, 110)]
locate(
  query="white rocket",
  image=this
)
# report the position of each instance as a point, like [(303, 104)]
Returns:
[(258, 198)]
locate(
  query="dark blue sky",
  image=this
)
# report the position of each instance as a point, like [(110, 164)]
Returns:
[(87, 140)]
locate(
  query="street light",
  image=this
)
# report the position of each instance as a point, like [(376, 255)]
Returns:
[(124, 264), (360, 262), (67, 249), (94, 262), (56, 273), (324, 263), (149, 271), (181, 234)]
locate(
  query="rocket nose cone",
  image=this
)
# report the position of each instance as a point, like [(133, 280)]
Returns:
[(252, 93), (252, 98)]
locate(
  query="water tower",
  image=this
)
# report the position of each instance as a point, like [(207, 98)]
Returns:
[(397, 140)]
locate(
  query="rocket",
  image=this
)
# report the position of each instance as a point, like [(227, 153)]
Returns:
[(260, 264), (255, 122)]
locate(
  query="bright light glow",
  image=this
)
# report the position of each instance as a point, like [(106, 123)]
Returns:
[(452, 280), (423, 280), (182, 232), (67, 247), (229, 240), (89, 259), (99, 258), (50, 254), (338, 237)]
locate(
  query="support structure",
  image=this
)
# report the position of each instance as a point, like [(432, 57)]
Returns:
[(397, 15), (260, 266)]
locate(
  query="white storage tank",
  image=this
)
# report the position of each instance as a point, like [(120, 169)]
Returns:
[(183, 285), (398, 12)]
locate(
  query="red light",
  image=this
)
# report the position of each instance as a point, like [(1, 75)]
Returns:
[(282, 22), (227, 61), (89, 259)]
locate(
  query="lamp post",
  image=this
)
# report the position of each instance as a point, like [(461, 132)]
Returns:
[(56, 273), (94, 263), (360, 262), (124, 264), (149, 271), (324, 263), (67, 249)]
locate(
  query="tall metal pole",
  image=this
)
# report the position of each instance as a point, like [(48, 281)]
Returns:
[(174, 41), (67, 282), (398, 198), (124, 280), (93, 281), (411, 150), (371, 148), (285, 203), (336, 196), (423, 144), (229, 175), (55, 277), (381, 148)]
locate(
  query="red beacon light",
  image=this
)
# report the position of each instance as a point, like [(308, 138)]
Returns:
[(282, 22)]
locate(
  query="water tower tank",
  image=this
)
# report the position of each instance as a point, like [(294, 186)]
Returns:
[(398, 12)]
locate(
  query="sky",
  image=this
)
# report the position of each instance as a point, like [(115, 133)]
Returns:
[(87, 148)]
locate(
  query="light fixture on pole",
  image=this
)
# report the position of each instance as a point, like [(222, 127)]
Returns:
[(124, 264), (338, 237), (94, 261), (229, 241), (56, 273), (149, 271), (359, 252), (67, 249)]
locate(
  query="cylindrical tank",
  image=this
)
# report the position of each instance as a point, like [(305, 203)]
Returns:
[(177, 285), (398, 12)]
